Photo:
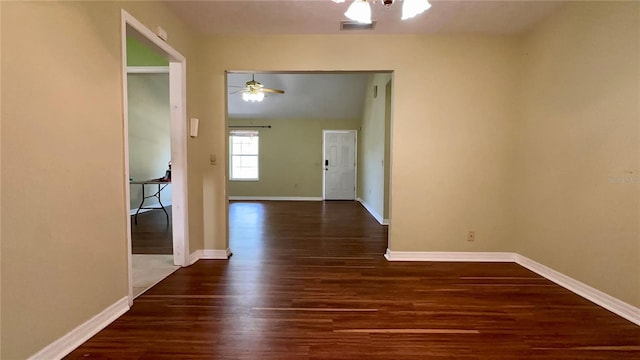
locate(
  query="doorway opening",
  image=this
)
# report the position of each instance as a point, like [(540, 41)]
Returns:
[(285, 157), (154, 114)]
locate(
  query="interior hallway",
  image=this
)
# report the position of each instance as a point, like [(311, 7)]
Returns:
[(308, 281)]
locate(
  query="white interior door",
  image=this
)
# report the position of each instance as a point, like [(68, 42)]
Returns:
[(339, 148)]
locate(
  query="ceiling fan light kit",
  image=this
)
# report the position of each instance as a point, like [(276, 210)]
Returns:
[(360, 10), (253, 96), (254, 91)]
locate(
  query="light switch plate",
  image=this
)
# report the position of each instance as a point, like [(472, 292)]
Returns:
[(193, 128)]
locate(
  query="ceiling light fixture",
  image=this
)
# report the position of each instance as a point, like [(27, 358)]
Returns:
[(253, 96), (411, 8), (360, 10)]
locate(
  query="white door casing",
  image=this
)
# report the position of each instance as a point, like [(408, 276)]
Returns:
[(339, 164), (177, 88)]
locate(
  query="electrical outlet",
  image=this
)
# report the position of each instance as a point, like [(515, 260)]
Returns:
[(471, 235)]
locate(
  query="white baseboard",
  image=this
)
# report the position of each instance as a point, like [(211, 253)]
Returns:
[(194, 256), (449, 256), (216, 254), (616, 306), (69, 342), (373, 213), (209, 254), (594, 295), (275, 198)]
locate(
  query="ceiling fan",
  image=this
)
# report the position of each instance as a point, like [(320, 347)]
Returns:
[(254, 91)]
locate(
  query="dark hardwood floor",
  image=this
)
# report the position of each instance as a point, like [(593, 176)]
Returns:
[(308, 281), (152, 234)]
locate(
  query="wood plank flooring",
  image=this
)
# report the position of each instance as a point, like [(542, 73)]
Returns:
[(152, 234), (308, 281)]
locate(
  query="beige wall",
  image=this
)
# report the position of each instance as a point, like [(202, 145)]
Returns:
[(290, 157), (149, 134), (486, 131), (372, 157), (577, 168), (453, 115), (64, 249)]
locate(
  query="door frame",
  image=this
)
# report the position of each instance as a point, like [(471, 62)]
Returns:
[(355, 154), (178, 128)]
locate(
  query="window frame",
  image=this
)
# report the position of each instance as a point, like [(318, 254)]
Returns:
[(247, 133)]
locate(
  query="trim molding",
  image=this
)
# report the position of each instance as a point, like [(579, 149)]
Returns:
[(216, 254), (69, 342), (616, 306), (449, 256), (194, 257), (209, 254), (373, 212), (594, 295), (275, 198)]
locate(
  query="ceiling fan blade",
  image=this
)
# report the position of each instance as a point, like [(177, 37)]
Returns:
[(236, 86), (239, 91), (275, 91)]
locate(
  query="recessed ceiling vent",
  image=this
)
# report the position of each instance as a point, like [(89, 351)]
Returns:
[(354, 25)]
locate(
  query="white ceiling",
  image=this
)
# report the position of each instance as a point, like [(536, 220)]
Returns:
[(324, 16), (307, 96)]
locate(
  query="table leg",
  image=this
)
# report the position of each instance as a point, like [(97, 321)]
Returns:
[(135, 218), (160, 202)]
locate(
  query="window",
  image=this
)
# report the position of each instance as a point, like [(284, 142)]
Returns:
[(243, 155)]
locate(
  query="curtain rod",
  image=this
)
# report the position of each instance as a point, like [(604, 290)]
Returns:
[(250, 126)]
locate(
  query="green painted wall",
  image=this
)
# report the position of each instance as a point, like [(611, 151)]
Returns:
[(290, 157), (139, 54)]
